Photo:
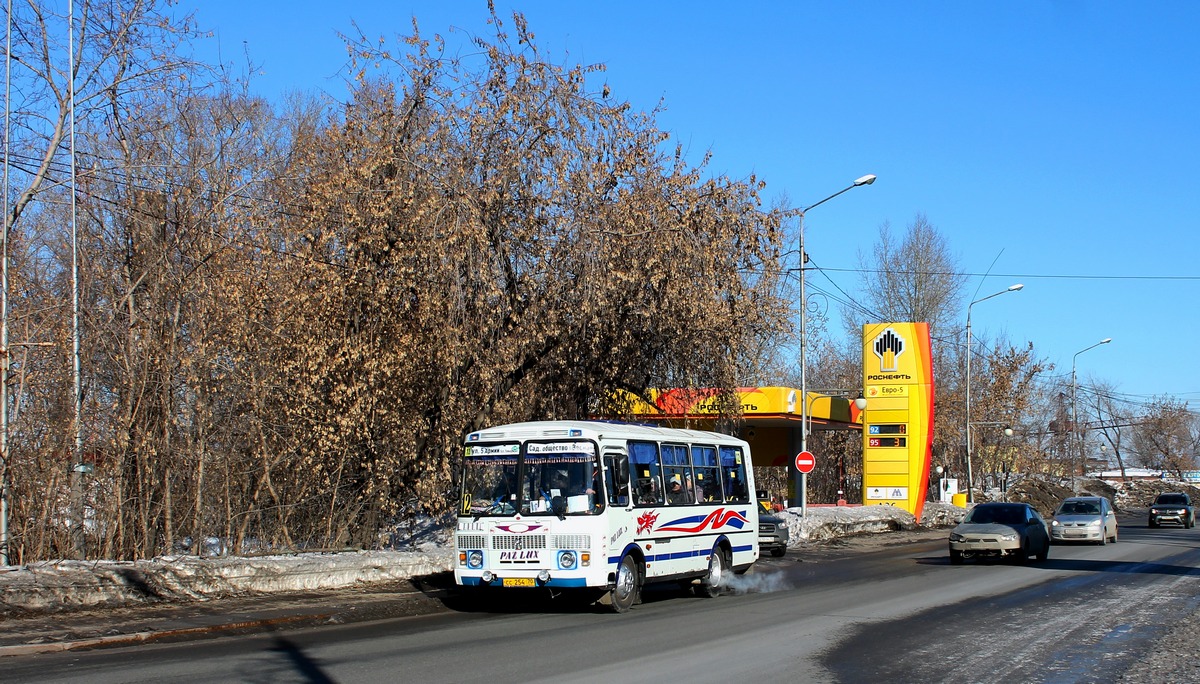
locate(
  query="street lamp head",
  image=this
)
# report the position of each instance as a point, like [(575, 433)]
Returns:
[(1014, 288), (1106, 340), (865, 180), (1008, 431), (860, 403)]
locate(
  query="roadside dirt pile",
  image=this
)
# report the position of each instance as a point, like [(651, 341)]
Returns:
[(1042, 495), (1045, 495), (1141, 493), (1094, 487)]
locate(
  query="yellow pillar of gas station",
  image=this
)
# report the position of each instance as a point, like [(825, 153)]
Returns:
[(898, 425)]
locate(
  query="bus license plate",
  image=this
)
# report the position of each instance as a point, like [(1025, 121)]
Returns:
[(519, 582)]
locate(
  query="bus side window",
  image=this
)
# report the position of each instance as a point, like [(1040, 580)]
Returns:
[(645, 473), (707, 485), (733, 472), (676, 470)]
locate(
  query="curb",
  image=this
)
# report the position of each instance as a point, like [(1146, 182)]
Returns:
[(148, 637)]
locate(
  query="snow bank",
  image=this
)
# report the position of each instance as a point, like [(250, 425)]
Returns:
[(822, 523), (83, 584)]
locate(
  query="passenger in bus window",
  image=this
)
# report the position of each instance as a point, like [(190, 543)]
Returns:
[(695, 491), (586, 487), (648, 492), (675, 491), (576, 486), (594, 484)]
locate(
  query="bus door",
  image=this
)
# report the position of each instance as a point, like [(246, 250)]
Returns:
[(616, 476)]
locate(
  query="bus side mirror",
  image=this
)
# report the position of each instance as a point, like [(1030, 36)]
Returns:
[(622, 470)]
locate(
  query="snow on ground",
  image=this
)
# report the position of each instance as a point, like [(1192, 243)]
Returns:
[(821, 523), (66, 585)]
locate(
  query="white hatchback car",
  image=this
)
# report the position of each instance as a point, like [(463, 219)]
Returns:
[(1084, 519)]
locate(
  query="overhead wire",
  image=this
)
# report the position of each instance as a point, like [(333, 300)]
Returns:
[(1048, 383)]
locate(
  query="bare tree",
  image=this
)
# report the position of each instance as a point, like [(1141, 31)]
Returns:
[(124, 56), (1165, 437), (1115, 420), (1005, 396), (911, 278)]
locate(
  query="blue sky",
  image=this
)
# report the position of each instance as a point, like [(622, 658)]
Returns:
[(1056, 139)]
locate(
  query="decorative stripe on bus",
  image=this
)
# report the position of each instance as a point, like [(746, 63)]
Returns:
[(654, 558), (713, 521)]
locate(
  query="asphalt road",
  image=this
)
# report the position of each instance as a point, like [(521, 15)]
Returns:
[(851, 613)]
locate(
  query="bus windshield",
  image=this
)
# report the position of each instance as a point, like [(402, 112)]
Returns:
[(490, 480), (550, 478)]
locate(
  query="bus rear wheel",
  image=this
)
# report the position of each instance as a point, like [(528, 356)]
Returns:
[(718, 574), (628, 585)]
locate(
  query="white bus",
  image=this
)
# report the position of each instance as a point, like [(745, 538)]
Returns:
[(604, 507)]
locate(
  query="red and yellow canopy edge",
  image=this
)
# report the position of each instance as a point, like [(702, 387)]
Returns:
[(755, 402)]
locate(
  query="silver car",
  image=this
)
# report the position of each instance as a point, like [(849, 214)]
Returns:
[(1084, 519), (1007, 530)]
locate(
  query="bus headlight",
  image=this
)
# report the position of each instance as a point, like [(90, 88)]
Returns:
[(544, 576), (474, 559), (487, 577), (567, 560)]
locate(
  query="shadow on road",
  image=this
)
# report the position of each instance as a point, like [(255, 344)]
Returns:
[(308, 669), (1080, 565)]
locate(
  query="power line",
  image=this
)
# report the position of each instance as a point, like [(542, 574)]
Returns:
[(1023, 276)]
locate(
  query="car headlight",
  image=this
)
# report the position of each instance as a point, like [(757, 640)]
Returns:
[(1055, 523), (1008, 537), (1094, 523), (955, 537)]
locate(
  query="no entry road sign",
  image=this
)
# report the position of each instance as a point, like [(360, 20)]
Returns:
[(805, 462)]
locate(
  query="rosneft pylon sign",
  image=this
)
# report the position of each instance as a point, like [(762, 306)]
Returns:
[(898, 422)]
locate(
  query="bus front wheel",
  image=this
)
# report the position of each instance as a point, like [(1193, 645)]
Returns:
[(628, 585)]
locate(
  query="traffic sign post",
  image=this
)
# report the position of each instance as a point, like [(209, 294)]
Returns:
[(805, 462)]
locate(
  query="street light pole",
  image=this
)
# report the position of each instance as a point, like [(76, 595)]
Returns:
[(1008, 432), (799, 481), (970, 481), (1075, 403)]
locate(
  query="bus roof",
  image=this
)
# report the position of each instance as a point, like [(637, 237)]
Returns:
[(593, 429)]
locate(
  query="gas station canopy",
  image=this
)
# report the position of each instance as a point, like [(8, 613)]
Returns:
[(771, 416)]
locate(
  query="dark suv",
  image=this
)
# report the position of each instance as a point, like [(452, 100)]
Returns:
[(772, 530), (1172, 507)]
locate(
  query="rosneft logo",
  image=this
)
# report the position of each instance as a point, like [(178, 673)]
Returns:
[(888, 347)]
